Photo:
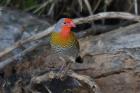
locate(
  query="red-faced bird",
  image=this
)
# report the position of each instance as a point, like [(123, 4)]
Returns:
[(63, 41)]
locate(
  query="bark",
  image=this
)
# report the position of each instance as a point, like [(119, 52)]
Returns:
[(113, 59)]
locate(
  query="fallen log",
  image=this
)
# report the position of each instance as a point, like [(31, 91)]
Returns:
[(113, 59)]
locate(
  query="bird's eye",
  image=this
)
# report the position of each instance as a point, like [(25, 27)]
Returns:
[(64, 23)]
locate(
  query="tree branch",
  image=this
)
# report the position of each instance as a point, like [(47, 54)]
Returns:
[(51, 75), (88, 80)]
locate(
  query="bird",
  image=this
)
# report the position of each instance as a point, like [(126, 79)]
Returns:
[(63, 41)]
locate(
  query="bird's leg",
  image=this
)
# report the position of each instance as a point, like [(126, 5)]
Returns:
[(63, 65), (68, 65), (70, 61), (61, 70), (64, 69)]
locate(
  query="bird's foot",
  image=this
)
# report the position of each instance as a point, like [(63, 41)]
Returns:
[(65, 67)]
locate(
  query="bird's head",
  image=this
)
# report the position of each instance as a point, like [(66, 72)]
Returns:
[(64, 26)]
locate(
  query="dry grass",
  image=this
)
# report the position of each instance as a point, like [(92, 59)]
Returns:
[(56, 9)]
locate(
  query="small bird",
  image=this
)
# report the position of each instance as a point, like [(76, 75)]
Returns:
[(63, 41)]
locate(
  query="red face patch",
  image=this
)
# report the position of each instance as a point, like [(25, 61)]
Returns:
[(67, 27)]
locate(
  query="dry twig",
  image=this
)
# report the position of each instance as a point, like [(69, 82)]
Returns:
[(88, 7), (96, 6), (23, 53), (88, 80), (136, 7), (51, 75)]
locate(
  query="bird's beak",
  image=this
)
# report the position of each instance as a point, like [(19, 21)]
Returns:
[(72, 24)]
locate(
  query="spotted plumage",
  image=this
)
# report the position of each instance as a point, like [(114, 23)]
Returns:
[(68, 46)]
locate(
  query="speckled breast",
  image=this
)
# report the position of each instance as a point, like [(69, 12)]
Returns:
[(64, 46)]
